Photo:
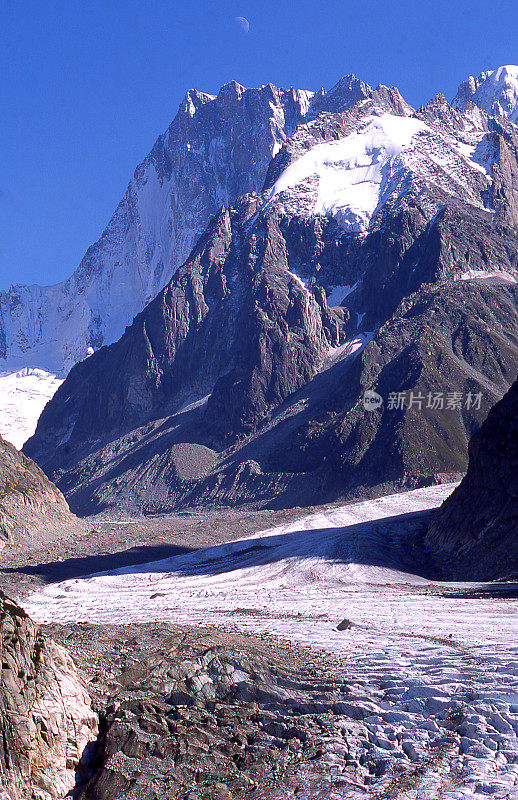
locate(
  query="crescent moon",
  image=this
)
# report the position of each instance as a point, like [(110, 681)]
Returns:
[(243, 24)]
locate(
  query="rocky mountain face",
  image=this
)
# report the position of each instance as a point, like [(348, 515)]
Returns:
[(216, 149), (46, 718), (495, 91), (380, 256), (475, 532), (28, 500)]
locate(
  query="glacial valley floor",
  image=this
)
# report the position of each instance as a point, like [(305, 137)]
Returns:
[(411, 682)]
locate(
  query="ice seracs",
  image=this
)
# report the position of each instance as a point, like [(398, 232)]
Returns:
[(495, 91)]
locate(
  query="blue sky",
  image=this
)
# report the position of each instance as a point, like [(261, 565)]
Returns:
[(86, 88)]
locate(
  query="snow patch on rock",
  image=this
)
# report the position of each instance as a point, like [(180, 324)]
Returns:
[(350, 173), (337, 294), (494, 91), (349, 348)]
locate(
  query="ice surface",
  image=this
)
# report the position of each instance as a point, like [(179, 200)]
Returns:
[(482, 274), (349, 348), (292, 557), (193, 402), (299, 280), (479, 154), (23, 396), (432, 668)]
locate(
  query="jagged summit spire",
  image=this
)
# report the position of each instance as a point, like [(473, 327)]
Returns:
[(344, 94)]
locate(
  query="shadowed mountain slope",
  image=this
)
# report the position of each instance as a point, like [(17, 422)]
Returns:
[(28, 500), (475, 532)]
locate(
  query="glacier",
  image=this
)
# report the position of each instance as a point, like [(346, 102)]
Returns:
[(431, 667)]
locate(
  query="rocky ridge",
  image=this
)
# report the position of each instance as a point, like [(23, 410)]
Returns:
[(216, 149), (28, 500)]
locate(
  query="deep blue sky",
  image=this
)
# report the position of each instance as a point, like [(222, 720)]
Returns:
[(86, 88)]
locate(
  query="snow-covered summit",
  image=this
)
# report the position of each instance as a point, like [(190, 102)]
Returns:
[(495, 91), (352, 172), (378, 162), (323, 154), (216, 148)]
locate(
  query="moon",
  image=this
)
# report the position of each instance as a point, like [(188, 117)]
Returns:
[(243, 24)]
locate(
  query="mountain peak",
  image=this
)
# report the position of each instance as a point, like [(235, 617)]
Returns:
[(193, 100), (344, 94), (495, 91), (349, 81), (232, 89)]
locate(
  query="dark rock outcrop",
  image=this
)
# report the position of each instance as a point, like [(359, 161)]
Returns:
[(436, 345), (28, 500), (474, 535), (207, 720), (46, 718)]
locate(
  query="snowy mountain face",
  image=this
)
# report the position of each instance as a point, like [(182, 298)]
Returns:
[(381, 255), (23, 396), (216, 149), (383, 159), (495, 91)]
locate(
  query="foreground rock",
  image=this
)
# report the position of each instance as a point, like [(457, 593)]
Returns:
[(200, 713), (400, 710), (28, 500), (475, 532), (46, 718)]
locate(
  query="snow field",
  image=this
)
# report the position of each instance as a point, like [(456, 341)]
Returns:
[(23, 396)]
